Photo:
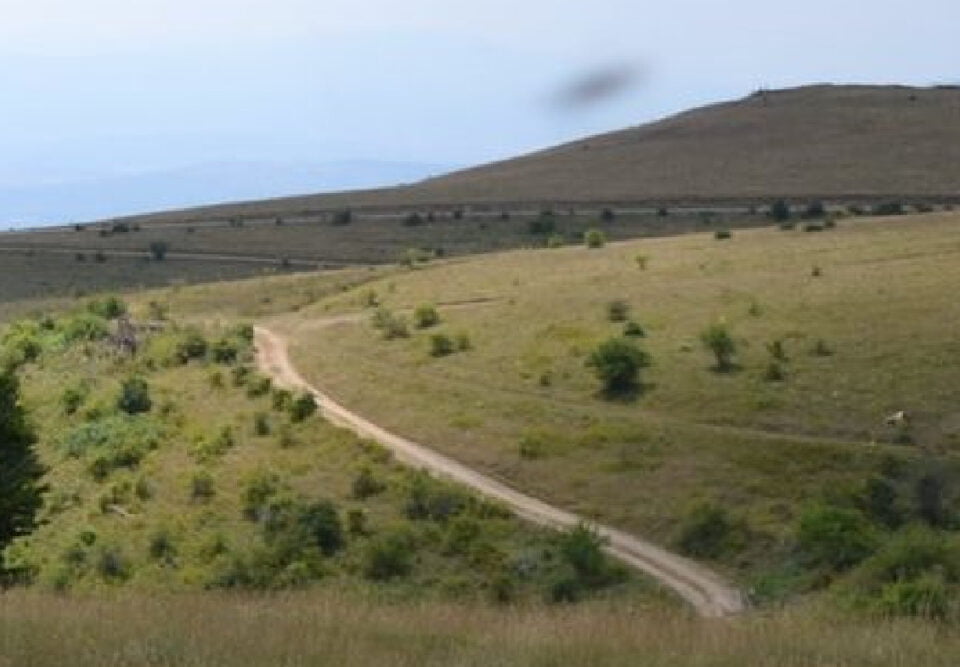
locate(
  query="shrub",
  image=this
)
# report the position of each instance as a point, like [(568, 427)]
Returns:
[(618, 310), (391, 326), (357, 522), (780, 211), (722, 234), (717, 339), (889, 208), (389, 557), (84, 327), (544, 224), (344, 217), (224, 351), (581, 550), (281, 399), (814, 210), (239, 375), (158, 250), (834, 537), (663, 212), (261, 424), (413, 220), (777, 350), (617, 363), (594, 238), (813, 227), (425, 316), (369, 299), (161, 546), (910, 574), (303, 407), (608, 215), (191, 345), (441, 345), (366, 485), (72, 398), (774, 372), (433, 501), (708, 531), (134, 396), (109, 308), (259, 488), (642, 261), (112, 565), (555, 241), (633, 329), (463, 342), (258, 386)]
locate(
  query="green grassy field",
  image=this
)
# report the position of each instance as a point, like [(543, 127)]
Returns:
[(521, 404), (214, 482)]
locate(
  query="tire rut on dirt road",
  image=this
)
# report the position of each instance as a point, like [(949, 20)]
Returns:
[(703, 589)]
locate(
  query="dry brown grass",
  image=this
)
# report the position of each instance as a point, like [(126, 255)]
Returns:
[(327, 627)]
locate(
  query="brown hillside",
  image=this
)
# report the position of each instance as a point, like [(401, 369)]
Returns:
[(830, 142)]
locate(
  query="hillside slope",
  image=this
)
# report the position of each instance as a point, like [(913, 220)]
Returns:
[(833, 142)]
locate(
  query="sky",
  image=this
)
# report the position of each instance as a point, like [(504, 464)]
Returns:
[(109, 89)]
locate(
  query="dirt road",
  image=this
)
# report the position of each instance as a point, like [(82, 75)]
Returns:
[(703, 589)]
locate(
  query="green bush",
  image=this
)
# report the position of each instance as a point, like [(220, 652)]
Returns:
[(594, 238), (618, 310), (587, 567), (835, 537), (73, 397), (389, 557), (303, 407), (462, 342), (717, 339), (390, 326), (780, 211), (158, 250), (915, 573), (84, 327), (441, 345), (774, 372), (201, 486), (366, 484), (633, 329), (224, 351), (109, 308), (261, 424), (617, 363), (708, 531), (544, 224), (134, 396), (425, 316), (191, 345), (723, 234)]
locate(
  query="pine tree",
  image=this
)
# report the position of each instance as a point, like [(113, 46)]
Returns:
[(20, 471)]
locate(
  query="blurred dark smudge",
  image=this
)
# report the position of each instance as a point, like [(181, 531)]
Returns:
[(597, 86)]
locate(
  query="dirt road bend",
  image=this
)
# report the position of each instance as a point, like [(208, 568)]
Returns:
[(706, 591)]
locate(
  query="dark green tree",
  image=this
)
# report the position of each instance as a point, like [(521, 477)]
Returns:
[(20, 471)]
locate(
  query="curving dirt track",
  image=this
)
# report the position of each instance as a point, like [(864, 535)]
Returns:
[(709, 595)]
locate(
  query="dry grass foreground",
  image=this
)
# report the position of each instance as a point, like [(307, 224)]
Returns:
[(333, 628)]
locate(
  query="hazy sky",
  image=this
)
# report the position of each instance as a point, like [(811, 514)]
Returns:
[(123, 86)]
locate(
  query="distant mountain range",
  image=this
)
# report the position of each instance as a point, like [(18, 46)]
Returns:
[(91, 199)]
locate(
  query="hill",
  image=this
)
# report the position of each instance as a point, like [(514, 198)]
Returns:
[(846, 143), (835, 330)]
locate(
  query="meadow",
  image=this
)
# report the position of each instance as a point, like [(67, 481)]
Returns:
[(859, 320)]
